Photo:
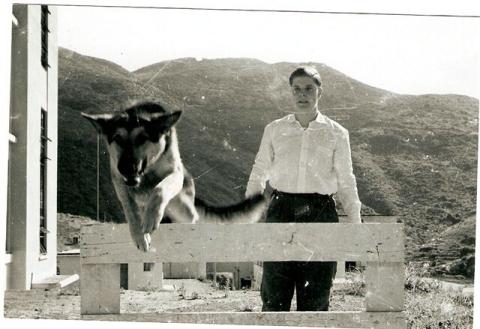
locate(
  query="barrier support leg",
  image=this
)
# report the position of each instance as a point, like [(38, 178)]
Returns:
[(100, 289), (385, 289)]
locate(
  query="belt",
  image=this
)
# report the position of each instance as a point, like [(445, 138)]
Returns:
[(317, 195)]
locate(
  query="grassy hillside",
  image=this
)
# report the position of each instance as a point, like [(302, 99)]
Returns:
[(414, 156)]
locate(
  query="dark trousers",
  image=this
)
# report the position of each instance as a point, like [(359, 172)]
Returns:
[(311, 280)]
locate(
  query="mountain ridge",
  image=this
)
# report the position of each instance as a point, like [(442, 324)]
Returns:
[(428, 142)]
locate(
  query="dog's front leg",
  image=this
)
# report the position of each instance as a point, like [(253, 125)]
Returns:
[(165, 191), (133, 215), (141, 240)]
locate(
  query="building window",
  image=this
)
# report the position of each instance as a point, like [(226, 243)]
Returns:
[(45, 31), (43, 182), (148, 267)]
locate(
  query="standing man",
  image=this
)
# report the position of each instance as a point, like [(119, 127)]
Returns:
[(306, 158)]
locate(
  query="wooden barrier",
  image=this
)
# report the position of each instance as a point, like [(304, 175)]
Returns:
[(341, 266), (379, 246)]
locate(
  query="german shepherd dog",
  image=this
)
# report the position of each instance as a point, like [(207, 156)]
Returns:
[(149, 177)]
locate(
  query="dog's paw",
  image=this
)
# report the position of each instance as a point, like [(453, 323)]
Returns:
[(142, 241), (151, 225)]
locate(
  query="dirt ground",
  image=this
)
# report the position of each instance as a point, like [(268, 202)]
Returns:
[(188, 296)]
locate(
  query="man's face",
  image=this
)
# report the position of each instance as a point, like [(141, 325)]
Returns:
[(305, 94)]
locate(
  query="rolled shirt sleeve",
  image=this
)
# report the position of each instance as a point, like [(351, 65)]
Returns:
[(263, 161), (347, 185)]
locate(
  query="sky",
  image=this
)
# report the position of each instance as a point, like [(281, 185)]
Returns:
[(403, 54)]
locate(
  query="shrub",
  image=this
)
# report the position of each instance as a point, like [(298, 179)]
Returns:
[(354, 284), (428, 306), (417, 279)]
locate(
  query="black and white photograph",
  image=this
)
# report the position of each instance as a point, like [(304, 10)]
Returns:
[(286, 164)]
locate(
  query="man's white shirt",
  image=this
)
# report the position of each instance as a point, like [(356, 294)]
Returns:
[(312, 160)]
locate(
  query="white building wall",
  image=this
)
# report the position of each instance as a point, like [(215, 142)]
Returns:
[(17, 202), (240, 270), (30, 82), (138, 279), (45, 92), (189, 270), (68, 264)]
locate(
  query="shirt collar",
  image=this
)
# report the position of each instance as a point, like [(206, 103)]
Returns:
[(320, 119)]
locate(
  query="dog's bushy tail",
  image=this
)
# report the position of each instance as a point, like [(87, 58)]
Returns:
[(248, 211)]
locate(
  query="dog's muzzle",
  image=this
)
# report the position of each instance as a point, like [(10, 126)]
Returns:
[(132, 181), (132, 175)]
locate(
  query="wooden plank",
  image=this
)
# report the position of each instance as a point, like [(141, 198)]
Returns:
[(55, 281), (373, 219), (100, 289), (391, 320), (111, 243), (385, 287), (381, 219)]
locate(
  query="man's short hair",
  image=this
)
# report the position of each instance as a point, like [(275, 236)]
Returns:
[(308, 71)]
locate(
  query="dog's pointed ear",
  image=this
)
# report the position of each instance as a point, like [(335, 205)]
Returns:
[(172, 119), (160, 123), (164, 121), (99, 121)]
